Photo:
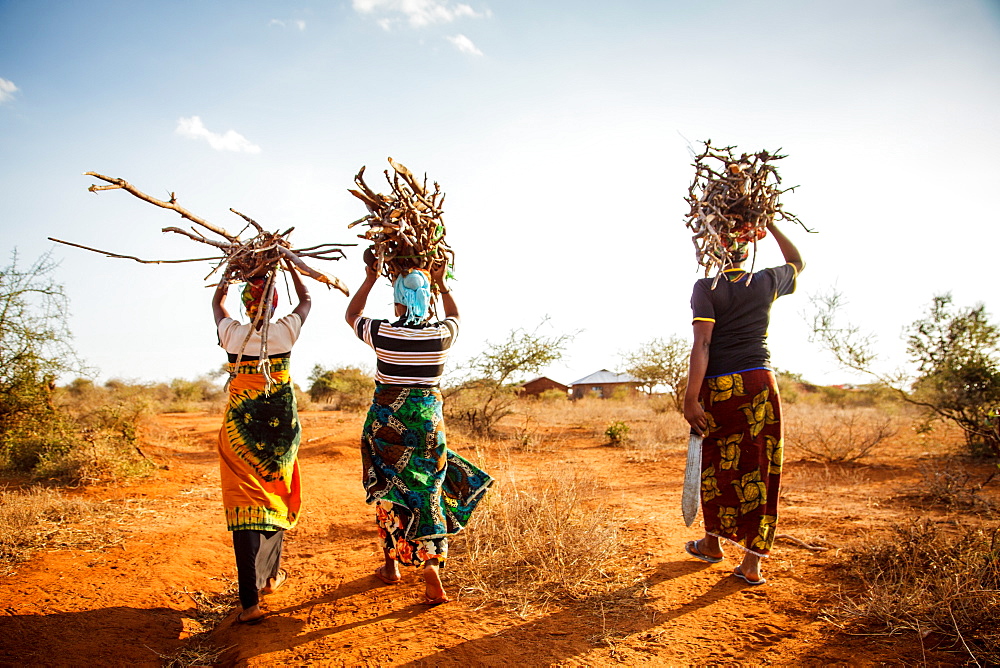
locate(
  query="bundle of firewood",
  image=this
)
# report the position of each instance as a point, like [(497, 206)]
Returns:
[(406, 227), (240, 259), (733, 200)]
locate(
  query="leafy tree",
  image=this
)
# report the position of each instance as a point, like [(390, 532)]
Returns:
[(661, 362), (957, 352), (345, 388), (34, 344), (489, 389), (957, 358)]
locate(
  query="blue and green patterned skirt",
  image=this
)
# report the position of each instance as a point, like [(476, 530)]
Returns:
[(423, 491)]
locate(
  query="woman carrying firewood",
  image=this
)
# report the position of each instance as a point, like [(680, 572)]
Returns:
[(423, 492), (259, 439), (732, 401)]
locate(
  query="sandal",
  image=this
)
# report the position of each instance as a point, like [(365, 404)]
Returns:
[(380, 574), (692, 548), (249, 622), (435, 601), (738, 573), (279, 580)]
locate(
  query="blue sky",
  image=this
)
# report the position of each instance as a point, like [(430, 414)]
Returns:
[(560, 132)]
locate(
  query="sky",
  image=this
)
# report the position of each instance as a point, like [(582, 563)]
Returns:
[(560, 131)]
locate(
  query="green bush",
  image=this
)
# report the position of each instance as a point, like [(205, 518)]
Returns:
[(617, 432)]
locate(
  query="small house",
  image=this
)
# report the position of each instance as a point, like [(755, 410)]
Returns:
[(541, 384), (604, 384)]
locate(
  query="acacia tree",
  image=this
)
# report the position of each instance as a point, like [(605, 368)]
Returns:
[(489, 387), (957, 356), (661, 362), (34, 344)]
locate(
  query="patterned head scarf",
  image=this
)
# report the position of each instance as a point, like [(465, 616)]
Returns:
[(413, 290), (252, 293), (738, 251)]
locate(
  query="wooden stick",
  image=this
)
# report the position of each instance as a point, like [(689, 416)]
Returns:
[(172, 204), (132, 257)]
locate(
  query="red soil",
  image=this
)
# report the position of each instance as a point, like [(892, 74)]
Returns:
[(124, 605)]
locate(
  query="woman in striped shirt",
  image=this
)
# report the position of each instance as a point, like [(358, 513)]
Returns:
[(422, 491)]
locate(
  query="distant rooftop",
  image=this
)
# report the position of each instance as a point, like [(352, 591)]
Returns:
[(604, 376)]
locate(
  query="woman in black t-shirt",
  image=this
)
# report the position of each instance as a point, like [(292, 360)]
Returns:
[(732, 401)]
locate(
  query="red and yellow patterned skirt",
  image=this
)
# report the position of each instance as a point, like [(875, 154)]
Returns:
[(741, 458)]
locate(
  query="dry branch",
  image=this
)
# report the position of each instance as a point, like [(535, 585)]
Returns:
[(241, 260), (733, 200), (406, 228)]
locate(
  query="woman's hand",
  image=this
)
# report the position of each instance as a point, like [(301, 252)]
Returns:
[(370, 261), (694, 413), (438, 273)]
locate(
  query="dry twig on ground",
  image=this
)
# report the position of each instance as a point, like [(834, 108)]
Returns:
[(733, 200), (406, 228)]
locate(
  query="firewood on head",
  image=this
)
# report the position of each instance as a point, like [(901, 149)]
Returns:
[(240, 259), (733, 199), (406, 227)]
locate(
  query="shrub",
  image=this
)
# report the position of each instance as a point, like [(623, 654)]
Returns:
[(343, 388), (617, 432), (553, 395), (836, 435), (923, 579)]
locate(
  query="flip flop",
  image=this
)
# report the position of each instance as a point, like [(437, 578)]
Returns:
[(691, 547), (249, 622), (738, 573), (380, 574), (435, 601), (279, 580)]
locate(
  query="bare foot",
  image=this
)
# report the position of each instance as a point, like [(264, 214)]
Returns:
[(274, 583), (434, 593)]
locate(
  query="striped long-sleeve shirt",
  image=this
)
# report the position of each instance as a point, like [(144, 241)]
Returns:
[(408, 355)]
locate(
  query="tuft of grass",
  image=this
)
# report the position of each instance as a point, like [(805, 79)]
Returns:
[(925, 579), (196, 653), (551, 538)]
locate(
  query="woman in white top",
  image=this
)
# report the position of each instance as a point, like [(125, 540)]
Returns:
[(259, 439)]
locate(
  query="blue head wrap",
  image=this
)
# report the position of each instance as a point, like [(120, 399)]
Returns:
[(413, 290)]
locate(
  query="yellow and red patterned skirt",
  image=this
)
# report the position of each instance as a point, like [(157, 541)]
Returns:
[(258, 448), (741, 458)]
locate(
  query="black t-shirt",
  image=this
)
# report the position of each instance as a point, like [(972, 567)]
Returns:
[(741, 311)]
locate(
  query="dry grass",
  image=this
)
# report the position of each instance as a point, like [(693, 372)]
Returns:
[(654, 429), (926, 579), (835, 434), (37, 517), (195, 653), (210, 610), (546, 539)]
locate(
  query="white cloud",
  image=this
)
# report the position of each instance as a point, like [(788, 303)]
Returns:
[(464, 44), (418, 13), (7, 90), (231, 141), (297, 23)]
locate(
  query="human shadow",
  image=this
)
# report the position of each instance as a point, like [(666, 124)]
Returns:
[(284, 631), (115, 636), (546, 641)]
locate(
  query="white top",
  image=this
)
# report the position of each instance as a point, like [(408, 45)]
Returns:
[(281, 336)]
